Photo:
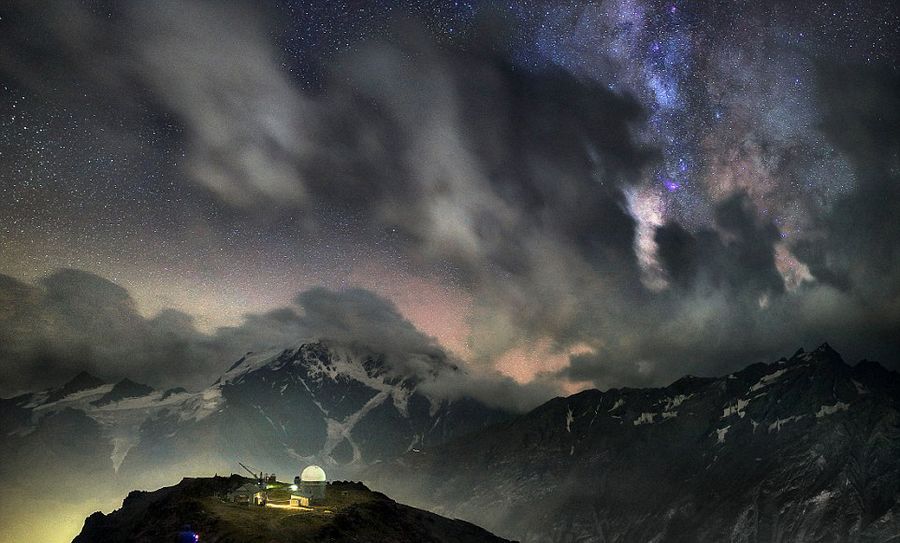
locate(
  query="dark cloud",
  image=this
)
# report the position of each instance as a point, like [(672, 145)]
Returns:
[(72, 321), (510, 177), (205, 64), (858, 246), (739, 256), (727, 305), (514, 179), (360, 317), (476, 162)]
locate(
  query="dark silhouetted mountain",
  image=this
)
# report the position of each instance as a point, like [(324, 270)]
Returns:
[(351, 513), (806, 449), (82, 381), (125, 388), (172, 391)]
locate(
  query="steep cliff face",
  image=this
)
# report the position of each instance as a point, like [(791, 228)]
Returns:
[(804, 449)]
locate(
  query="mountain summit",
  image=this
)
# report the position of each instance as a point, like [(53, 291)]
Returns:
[(318, 402), (197, 508)]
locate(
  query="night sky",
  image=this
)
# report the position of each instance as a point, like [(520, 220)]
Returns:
[(572, 193)]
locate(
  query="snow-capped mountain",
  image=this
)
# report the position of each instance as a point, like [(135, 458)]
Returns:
[(339, 406), (803, 449), (114, 411), (318, 402)]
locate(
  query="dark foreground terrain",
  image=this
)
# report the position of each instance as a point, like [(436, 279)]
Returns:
[(351, 513)]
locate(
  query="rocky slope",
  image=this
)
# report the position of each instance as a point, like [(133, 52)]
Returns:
[(318, 402), (804, 449), (195, 507)]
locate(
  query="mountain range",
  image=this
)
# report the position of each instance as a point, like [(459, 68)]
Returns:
[(317, 402), (806, 448)]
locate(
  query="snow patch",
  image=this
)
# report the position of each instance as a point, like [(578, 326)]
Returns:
[(78, 400), (250, 363), (826, 410), (150, 401), (619, 403), (203, 405), (340, 430), (736, 409), (767, 380), (121, 446), (781, 422), (860, 388), (645, 418), (36, 399), (721, 433), (672, 403), (297, 456), (401, 396), (569, 419), (822, 497)]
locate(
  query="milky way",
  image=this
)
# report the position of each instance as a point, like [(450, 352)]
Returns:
[(218, 161)]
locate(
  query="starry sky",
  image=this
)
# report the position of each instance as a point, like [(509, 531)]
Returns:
[(572, 193)]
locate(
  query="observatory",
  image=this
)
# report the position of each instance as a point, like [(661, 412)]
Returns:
[(310, 487)]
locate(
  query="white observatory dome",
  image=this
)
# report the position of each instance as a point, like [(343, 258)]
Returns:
[(313, 474)]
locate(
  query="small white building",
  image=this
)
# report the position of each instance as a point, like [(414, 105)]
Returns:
[(250, 493), (310, 487)]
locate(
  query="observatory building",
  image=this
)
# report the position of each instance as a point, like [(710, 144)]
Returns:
[(250, 493), (310, 487)]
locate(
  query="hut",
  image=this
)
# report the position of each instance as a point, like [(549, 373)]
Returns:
[(250, 493)]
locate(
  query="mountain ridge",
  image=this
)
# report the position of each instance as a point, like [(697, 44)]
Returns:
[(808, 446), (595, 465), (316, 402)]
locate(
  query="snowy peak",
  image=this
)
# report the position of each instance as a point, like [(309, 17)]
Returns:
[(317, 402), (126, 388), (321, 360), (82, 381), (823, 354)]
